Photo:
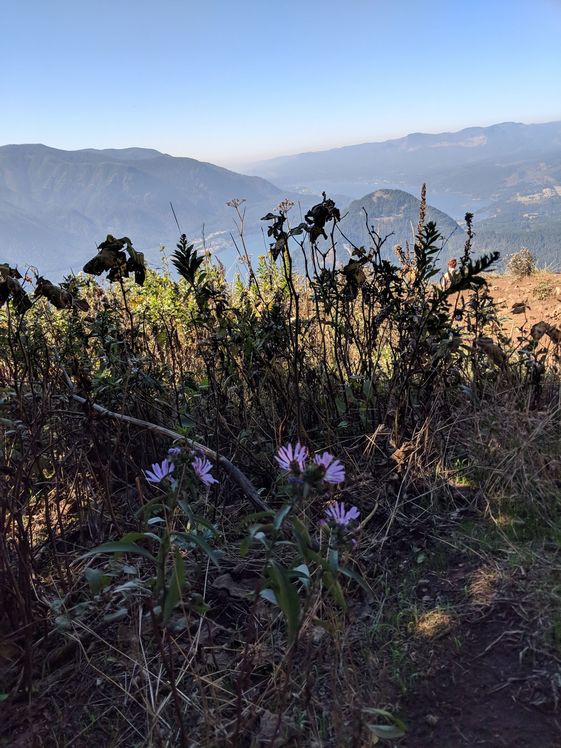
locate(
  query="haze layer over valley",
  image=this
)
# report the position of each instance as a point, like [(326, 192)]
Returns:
[(508, 175), (56, 206)]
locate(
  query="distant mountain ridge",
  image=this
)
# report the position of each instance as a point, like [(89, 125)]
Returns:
[(395, 214), (417, 156), (489, 171), (55, 206)]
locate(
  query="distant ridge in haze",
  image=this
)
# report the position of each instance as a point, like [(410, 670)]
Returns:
[(415, 157), (395, 214), (508, 175), (55, 205)]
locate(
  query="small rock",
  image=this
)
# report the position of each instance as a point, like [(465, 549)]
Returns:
[(275, 731), (240, 590), (431, 720), (318, 634)]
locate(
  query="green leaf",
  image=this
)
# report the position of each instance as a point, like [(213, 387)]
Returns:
[(269, 595), (117, 615), (197, 540), (3, 696), (301, 534), (97, 580), (387, 732), (175, 586), (132, 537), (151, 507), (301, 571), (311, 555), (287, 597), (196, 521), (259, 536), (118, 546), (281, 515), (303, 574), (334, 588), (352, 574), (186, 260), (133, 585), (257, 517), (333, 559), (187, 510)]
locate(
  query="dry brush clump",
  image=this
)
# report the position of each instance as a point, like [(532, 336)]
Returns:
[(204, 482), (522, 263)]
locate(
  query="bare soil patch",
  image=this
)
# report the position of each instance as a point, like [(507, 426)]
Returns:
[(540, 292), (485, 683)]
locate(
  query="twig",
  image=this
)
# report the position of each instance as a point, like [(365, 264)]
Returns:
[(235, 473)]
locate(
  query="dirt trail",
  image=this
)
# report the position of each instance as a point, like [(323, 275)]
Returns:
[(484, 683)]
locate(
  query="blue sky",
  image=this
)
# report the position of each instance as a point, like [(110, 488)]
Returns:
[(232, 82)]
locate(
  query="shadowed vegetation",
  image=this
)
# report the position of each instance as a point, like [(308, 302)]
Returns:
[(235, 512)]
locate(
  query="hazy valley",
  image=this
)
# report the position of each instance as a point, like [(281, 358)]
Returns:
[(56, 206)]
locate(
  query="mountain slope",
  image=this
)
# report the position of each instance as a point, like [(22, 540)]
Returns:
[(395, 214), (488, 171), (531, 220), (417, 156), (55, 206)]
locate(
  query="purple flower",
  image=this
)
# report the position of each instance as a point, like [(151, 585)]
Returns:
[(158, 472), (292, 458), (174, 452), (337, 513), (334, 469), (202, 468)]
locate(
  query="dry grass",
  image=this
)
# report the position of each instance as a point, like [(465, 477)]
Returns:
[(459, 537)]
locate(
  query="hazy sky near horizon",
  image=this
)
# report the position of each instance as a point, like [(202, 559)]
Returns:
[(232, 82)]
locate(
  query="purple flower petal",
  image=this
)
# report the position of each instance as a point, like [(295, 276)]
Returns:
[(292, 458), (202, 468), (352, 514), (159, 471), (337, 513), (334, 470)]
